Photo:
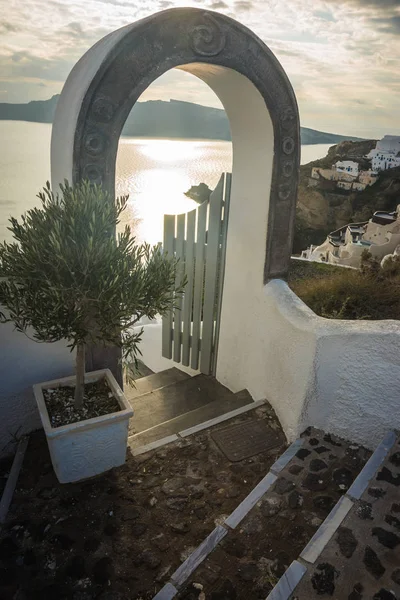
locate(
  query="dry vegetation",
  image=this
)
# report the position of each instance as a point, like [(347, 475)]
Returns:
[(373, 292)]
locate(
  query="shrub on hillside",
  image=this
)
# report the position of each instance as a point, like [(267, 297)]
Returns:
[(373, 292)]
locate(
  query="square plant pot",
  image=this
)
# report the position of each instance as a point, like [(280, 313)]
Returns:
[(86, 448)]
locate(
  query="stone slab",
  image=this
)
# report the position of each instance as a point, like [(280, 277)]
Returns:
[(136, 451), (172, 401), (325, 532), (13, 478), (221, 418), (197, 557), (287, 583), (154, 381), (360, 484), (167, 592), (251, 500), (287, 456), (362, 559)]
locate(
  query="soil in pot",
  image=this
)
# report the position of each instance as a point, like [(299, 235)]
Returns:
[(98, 401)]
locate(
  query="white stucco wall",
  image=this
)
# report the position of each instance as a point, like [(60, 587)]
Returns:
[(340, 376), (23, 363)]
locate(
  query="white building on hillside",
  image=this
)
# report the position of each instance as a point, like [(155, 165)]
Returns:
[(380, 236), (386, 154), (347, 166)]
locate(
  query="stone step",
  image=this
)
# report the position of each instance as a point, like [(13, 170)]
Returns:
[(190, 419), (171, 401), (155, 381), (355, 553)]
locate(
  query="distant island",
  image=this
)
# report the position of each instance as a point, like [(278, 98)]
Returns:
[(161, 119)]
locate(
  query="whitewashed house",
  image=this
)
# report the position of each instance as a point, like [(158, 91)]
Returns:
[(380, 236), (347, 166), (386, 154)]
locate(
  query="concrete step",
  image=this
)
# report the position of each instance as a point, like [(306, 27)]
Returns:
[(155, 381), (173, 400), (190, 419), (356, 550)]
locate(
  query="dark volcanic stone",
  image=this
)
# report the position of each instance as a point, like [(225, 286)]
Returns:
[(29, 558), (47, 493), (225, 592), (346, 541), (315, 482), (372, 563), (130, 513), (75, 567), (180, 527), (103, 570), (151, 559), (62, 540), (321, 449), (386, 538), (110, 529), (325, 503), (295, 499), (329, 439), (384, 595), (138, 529), (364, 510), (395, 508), (323, 580), (343, 477), (7, 576), (307, 432), (178, 504), (283, 486), (393, 521), (248, 572), (317, 465), (356, 594), (376, 492), (235, 548), (271, 506), (8, 549), (295, 469), (303, 453), (313, 441), (386, 475), (395, 459), (92, 544), (201, 512), (396, 576)]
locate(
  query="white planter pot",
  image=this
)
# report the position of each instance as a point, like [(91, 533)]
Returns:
[(87, 448)]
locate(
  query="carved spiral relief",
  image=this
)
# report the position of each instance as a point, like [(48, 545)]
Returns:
[(287, 117), (103, 110), (94, 143), (207, 39), (288, 145), (93, 173)]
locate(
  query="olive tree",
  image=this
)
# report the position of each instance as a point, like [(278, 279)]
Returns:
[(68, 276)]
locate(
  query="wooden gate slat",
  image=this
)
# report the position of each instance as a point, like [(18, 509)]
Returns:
[(212, 251), (198, 282), (221, 267), (188, 297), (180, 255), (168, 245)]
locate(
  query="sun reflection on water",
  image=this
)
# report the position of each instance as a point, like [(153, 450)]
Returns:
[(157, 173)]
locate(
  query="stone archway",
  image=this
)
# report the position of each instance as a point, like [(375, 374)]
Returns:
[(263, 115)]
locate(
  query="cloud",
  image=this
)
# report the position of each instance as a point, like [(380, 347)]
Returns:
[(218, 4), (342, 56), (243, 5)]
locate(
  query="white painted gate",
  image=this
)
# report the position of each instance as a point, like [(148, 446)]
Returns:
[(198, 239)]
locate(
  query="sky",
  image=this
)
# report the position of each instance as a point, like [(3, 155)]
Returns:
[(341, 56)]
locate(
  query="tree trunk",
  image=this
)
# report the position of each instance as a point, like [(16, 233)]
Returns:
[(80, 376)]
